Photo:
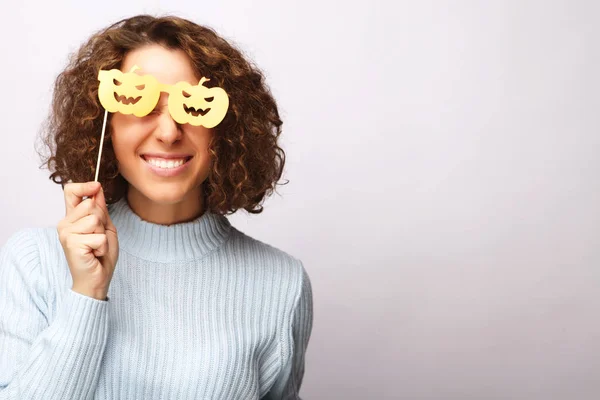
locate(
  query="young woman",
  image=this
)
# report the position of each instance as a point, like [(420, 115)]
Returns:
[(145, 290)]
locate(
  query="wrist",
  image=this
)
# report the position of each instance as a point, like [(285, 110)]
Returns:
[(95, 294)]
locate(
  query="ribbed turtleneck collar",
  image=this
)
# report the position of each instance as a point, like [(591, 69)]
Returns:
[(162, 243)]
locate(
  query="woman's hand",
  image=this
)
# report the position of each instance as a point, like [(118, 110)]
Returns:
[(89, 239)]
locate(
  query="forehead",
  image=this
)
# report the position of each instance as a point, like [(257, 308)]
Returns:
[(169, 66)]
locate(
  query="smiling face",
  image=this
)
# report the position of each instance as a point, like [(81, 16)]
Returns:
[(152, 191)]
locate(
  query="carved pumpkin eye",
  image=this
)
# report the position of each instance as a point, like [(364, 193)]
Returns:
[(185, 94), (140, 87), (209, 99), (116, 82)]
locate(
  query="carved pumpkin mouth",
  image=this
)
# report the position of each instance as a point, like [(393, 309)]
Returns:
[(194, 112), (127, 100)]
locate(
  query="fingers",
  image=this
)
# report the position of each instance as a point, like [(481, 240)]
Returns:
[(89, 224), (85, 208), (74, 193), (98, 242), (87, 218)]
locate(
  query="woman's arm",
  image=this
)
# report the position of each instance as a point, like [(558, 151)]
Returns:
[(60, 360), (287, 385)]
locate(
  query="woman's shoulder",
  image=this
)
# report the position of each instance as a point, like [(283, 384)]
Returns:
[(27, 240), (242, 242), (265, 255), (22, 259), (31, 249), (27, 237), (291, 283), (20, 242)]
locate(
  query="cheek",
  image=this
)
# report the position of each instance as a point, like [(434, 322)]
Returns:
[(128, 132), (201, 137)]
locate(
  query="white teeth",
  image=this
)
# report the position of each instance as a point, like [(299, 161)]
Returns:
[(161, 163)]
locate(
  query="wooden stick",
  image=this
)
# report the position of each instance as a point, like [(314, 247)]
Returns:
[(101, 144)]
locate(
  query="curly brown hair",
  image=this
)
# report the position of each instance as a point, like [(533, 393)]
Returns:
[(247, 161)]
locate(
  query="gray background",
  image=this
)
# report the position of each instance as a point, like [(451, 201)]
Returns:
[(444, 192)]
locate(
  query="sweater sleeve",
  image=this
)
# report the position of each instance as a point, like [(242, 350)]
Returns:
[(287, 385), (39, 359)]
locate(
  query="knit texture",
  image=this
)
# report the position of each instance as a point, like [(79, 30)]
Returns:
[(196, 310)]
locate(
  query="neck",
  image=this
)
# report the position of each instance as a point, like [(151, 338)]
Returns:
[(168, 212), (162, 243)]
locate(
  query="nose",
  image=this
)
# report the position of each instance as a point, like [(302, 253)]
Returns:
[(168, 130)]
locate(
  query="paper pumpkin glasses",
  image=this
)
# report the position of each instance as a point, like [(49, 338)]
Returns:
[(130, 93)]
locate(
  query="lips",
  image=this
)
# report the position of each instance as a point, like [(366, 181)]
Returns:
[(167, 169), (179, 156)]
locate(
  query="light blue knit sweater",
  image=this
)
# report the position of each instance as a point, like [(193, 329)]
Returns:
[(196, 310)]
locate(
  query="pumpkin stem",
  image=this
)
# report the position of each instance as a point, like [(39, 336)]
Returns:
[(203, 80), (134, 68)]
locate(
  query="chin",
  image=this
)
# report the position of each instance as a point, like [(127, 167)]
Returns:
[(165, 195)]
